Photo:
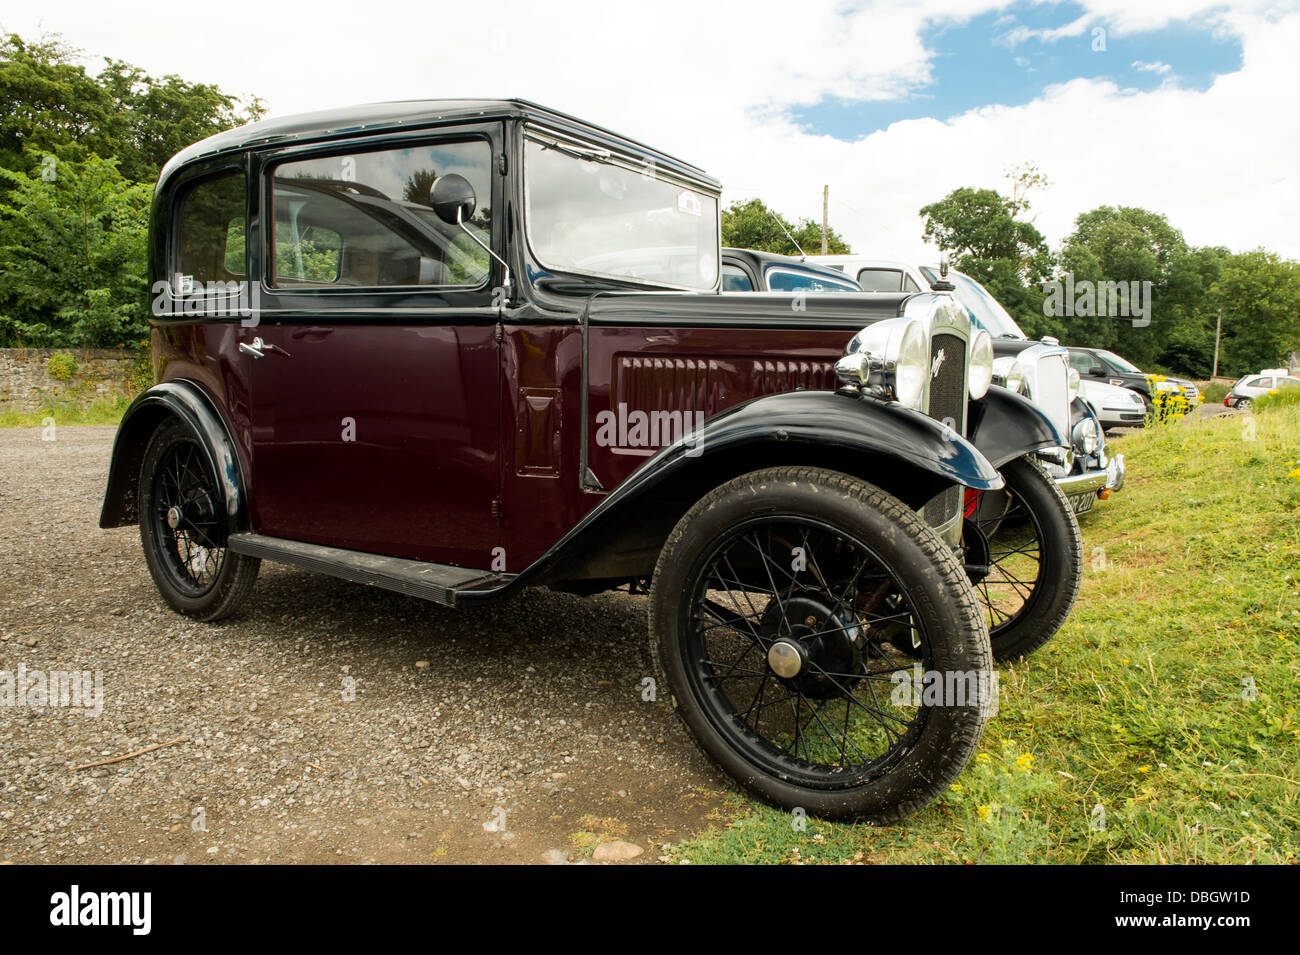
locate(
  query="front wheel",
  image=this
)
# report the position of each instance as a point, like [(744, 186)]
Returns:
[(1025, 556), (182, 528), (777, 603)]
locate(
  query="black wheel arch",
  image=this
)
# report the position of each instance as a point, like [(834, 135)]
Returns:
[(1005, 425), (187, 403), (897, 449)]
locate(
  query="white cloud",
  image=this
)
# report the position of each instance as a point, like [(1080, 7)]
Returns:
[(1153, 67), (714, 84)]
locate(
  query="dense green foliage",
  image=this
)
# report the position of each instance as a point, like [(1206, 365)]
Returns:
[(988, 237), (750, 224), (78, 157)]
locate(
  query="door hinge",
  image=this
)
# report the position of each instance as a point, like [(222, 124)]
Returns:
[(496, 507), (500, 333), (501, 164)]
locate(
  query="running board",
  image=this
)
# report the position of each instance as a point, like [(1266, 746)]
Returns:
[(441, 583)]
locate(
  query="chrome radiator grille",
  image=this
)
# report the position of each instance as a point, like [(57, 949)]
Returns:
[(947, 403), (1052, 392), (948, 381)]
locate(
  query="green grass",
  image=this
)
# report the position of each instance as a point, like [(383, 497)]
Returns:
[(1191, 595), (1214, 392), (98, 411)]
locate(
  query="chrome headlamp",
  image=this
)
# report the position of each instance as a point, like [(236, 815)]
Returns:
[(1007, 373), (1085, 437), (980, 375), (889, 360)]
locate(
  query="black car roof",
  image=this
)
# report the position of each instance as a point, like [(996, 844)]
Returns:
[(373, 118)]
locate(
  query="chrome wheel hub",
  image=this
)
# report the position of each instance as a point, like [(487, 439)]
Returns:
[(785, 658)]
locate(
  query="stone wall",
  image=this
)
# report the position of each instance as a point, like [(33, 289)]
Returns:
[(26, 385)]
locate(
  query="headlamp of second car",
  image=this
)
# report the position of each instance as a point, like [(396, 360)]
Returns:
[(1007, 373), (1086, 437), (888, 360)]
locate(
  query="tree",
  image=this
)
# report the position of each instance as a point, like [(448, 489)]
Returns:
[(1259, 293), (153, 119), (981, 224), (48, 104), (72, 254), (982, 231), (1129, 244), (750, 224)]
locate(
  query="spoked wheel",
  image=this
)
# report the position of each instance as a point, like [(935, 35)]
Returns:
[(774, 608), (1025, 558), (183, 531)]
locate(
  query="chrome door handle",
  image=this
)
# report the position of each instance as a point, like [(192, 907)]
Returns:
[(254, 349)]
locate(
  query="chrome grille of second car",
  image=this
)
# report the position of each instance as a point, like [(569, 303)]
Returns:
[(1052, 391)]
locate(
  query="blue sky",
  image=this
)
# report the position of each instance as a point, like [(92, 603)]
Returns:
[(979, 62), (720, 89)]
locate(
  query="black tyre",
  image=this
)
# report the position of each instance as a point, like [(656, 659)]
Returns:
[(183, 530), (774, 604), (1025, 556)]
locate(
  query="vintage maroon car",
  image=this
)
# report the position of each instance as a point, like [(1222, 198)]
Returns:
[(459, 348)]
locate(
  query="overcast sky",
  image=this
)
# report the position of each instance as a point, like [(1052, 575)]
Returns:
[(1186, 107)]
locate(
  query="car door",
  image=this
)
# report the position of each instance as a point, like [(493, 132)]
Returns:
[(373, 360)]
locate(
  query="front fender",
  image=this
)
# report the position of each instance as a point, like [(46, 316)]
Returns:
[(1005, 425), (901, 450), (186, 402), (824, 418)]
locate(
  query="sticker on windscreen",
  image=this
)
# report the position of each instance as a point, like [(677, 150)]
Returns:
[(689, 203)]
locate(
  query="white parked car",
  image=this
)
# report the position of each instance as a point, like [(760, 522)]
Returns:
[(1114, 407)]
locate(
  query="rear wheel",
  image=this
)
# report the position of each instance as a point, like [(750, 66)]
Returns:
[(183, 529), (776, 604), (1025, 557)]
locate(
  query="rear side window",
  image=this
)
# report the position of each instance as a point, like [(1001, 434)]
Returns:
[(363, 220), (788, 280), (880, 280), (735, 279), (211, 235)]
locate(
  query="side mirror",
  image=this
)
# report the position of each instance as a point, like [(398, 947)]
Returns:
[(452, 198)]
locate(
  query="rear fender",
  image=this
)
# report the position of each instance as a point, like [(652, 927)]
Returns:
[(189, 404)]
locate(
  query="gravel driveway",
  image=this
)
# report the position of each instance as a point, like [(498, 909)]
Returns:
[(327, 722)]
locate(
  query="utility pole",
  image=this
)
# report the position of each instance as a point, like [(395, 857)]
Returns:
[(826, 201), (1218, 327)]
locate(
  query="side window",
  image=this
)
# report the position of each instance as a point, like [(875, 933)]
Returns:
[(1288, 383), (735, 279), (909, 285), (363, 220), (211, 231), (881, 280), (787, 280), (1081, 362)]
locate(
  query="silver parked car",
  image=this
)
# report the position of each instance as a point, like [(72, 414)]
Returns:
[(1250, 387)]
